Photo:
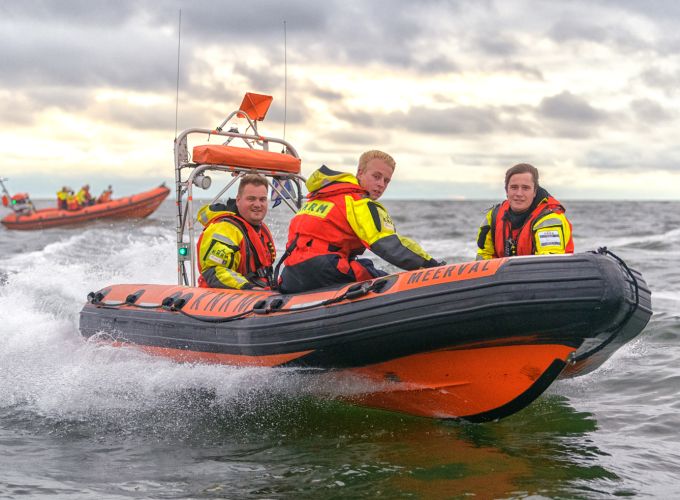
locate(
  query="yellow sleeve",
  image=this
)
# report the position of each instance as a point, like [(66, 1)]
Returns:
[(551, 234), (374, 227), (220, 256), (485, 246)]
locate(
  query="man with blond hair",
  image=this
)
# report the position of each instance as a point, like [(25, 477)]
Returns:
[(340, 220)]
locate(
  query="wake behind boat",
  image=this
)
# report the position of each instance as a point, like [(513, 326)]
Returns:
[(139, 205), (474, 340)]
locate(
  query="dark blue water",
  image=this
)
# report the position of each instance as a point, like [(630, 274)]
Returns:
[(79, 420)]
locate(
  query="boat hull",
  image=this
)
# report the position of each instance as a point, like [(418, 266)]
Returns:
[(136, 206), (477, 340)]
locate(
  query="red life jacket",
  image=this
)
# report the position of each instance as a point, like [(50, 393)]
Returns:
[(257, 251), (522, 237), (311, 236)]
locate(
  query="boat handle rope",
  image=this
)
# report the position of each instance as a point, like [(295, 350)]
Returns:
[(175, 304), (615, 330)]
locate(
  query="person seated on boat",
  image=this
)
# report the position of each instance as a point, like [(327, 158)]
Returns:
[(236, 249), (72, 201), (106, 195), (529, 222), (62, 197), (84, 198), (339, 221)]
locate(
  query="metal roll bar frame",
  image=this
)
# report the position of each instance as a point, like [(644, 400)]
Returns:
[(184, 186)]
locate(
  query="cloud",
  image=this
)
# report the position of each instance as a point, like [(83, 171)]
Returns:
[(353, 138), (658, 10), (665, 79), (649, 112), (55, 56), (522, 69), (459, 120), (451, 120), (628, 157), (576, 30), (571, 116)]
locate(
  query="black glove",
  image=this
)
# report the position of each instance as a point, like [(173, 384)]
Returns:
[(435, 263)]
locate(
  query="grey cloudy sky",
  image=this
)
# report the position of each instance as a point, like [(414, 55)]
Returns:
[(457, 91)]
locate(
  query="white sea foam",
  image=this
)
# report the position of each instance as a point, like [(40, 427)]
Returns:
[(46, 365)]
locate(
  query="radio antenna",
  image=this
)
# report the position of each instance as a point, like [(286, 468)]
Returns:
[(285, 80), (179, 44)]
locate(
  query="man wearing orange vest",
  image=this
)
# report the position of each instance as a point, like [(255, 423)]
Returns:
[(236, 249), (106, 195), (340, 220), (529, 222)]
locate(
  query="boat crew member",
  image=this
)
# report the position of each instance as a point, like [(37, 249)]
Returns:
[(529, 222), (106, 195), (62, 197), (339, 221), (236, 248), (84, 198)]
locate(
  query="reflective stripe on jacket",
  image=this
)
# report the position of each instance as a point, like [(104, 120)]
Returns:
[(83, 197)]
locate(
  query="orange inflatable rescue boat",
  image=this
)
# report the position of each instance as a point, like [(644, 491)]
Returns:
[(472, 340), (25, 216)]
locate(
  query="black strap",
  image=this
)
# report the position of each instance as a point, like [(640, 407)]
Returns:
[(494, 214), (285, 255)]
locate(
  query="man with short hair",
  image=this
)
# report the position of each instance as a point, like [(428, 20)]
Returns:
[(84, 198), (236, 249), (339, 221), (62, 198), (106, 195), (529, 222)]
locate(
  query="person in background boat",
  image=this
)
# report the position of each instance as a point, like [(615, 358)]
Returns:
[(84, 198), (529, 222), (63, 196), (72, 201), (236, 249), (340, 220), (106, 195)]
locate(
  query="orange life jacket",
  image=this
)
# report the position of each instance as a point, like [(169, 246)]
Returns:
[(257, 251), (72, 203), (104, 197), (522, 238), (311, 236)]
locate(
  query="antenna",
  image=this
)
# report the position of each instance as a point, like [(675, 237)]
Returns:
[(179, 44), (285, 80)]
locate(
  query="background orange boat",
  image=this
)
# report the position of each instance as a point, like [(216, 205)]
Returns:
[(136, 206)]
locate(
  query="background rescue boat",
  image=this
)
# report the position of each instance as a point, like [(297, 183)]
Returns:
[(136, 206)]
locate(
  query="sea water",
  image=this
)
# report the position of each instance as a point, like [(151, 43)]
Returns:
[(85, 420)]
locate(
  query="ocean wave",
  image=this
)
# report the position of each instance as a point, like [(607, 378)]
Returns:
[(666, 241)]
